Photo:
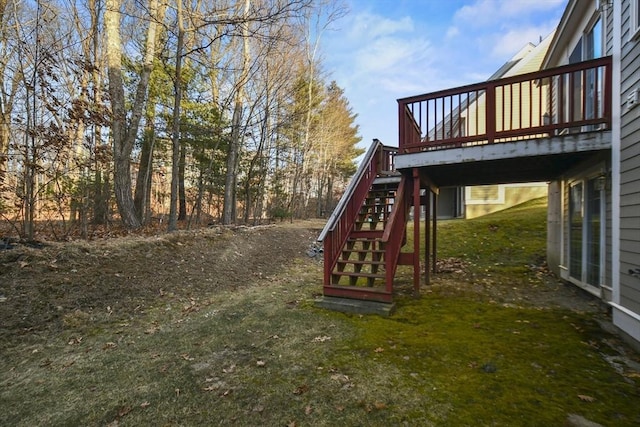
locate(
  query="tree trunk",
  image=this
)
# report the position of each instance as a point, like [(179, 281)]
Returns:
[(124, 133), (100, 200), (230, 182), (182, 194), (175, 153), (5, 113), (142, 195), (230, 191)]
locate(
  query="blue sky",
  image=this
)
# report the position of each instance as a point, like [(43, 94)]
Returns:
[(389, 49)]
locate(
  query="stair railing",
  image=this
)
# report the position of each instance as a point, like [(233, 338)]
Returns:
[(341, 222), (393, 236)]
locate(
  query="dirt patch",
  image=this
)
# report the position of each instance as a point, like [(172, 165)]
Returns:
[(537, 287), (45, 288)]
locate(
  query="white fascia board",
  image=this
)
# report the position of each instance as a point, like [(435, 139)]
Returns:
[(507, 150)]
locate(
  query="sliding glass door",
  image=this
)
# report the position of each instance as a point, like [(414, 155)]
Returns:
[(586, 234)]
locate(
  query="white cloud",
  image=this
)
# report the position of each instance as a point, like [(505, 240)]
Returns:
[(452, 32), (501, 28), (379, 52), (369, 26), (514, 40), (484, 12), (390, 54), (397, 51), (519, 7)]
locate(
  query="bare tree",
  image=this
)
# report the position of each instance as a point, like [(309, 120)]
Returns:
[(124, 124), (229, 209), (9, 82), (175, 139)]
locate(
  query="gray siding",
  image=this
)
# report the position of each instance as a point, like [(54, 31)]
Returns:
[(608, 278), (629, 170), (609, 206), (608, 44)]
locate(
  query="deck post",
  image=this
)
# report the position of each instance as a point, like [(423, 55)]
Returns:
[(416, 231), (427, 237), (490, 112), (434, 235)]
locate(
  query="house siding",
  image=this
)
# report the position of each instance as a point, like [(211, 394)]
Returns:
[(608, 33), (629, 168), (558, 250)]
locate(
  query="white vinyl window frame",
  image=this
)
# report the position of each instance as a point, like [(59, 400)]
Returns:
[(635, 19), (498, 199)]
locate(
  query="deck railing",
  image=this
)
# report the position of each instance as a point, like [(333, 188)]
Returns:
[(378, 158), (568, 99)]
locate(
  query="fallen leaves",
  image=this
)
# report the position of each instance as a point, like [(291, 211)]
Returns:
[(301, 389), (191, 307), (230, 369), (109, 345), (74, 341), (377, 405), (343, 379), (124, 411)]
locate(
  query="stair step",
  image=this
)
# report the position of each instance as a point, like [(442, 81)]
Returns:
[(392, 180), (352, 274), (360, 262), (364, 251), (366, 235)]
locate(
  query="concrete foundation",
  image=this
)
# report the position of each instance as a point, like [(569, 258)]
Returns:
[(347, 305)]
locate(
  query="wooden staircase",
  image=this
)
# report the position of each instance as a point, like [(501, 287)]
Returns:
[(362, 260), (364, 236)]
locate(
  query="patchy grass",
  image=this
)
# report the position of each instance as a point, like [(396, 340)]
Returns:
[(476, 349), (505, 242)]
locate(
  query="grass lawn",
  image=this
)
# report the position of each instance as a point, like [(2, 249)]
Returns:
[(478, 348)]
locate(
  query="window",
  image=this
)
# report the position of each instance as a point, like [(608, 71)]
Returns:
[(587, 101), (485, 195), (576, 219), (593, 41), (586, 231), (635, 19), (593, 48)]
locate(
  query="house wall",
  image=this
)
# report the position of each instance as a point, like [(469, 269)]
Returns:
[(629, 167), (582, 17)]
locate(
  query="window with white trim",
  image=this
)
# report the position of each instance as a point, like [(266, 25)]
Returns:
[(484, 195), (635, 18), (587, 230)]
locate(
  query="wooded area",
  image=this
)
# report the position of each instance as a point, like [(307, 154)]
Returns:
[(143, 111)]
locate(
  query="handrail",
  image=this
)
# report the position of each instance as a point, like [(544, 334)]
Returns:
[(571, 98), (335, 233), (394, 231), (365, 166)]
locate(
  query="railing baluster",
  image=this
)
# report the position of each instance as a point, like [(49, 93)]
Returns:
[(569, 102)]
